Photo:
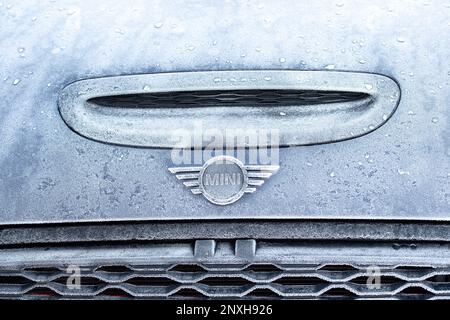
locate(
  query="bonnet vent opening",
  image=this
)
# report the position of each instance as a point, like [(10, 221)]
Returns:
[(242, 98)]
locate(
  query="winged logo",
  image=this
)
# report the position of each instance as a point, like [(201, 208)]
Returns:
[(224, 179)]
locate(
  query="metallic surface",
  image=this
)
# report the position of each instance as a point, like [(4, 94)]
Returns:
[(49, 174), (252, 176), (298, 124)]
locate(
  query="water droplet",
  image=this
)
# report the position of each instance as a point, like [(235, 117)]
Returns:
[(368, 86), (362, 61), (403, 172), (119, 31), (158, 24), (330, 67), (434, 120), (146, 87), (282, 113), (332, 174), (20, 49), (216, 79), (309, 164), (339, 4), (385, 117), (267, 78), (34, 19), (401, 39), (190, 47), (282, 60), (411, 113), (16, 82)]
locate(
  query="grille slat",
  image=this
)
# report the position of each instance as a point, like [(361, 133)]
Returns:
[(435, 276), (229, 291)]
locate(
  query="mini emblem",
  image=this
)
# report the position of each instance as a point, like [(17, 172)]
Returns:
[(224, 179)]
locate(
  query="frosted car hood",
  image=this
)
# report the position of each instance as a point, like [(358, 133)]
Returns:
[(48, 173)]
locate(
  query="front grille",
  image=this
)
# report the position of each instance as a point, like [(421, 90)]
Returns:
[(178, 99), (227, 281), (229, 269)]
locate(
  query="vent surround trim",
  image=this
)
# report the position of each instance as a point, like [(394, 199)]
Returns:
[(174, 102)]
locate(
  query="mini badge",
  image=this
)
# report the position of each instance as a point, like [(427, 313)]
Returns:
[(224, 179)]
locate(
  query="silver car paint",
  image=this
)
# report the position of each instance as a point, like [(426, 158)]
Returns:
[(48, 173)]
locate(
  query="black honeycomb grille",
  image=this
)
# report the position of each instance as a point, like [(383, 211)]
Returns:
[(227, 281)]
